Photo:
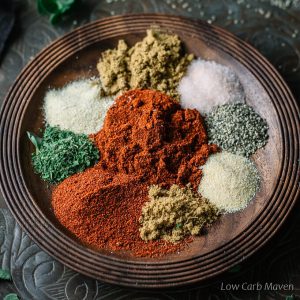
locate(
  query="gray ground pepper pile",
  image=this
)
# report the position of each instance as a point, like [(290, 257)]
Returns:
[(157, 62), (237, 128), (173, 214)]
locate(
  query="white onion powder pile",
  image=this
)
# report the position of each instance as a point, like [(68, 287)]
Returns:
[(208, 84), (229, 181), (77, 107)]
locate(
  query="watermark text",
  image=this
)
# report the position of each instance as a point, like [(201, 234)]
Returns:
[(266, 286)]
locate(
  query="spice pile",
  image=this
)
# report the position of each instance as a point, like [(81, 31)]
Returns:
[(230, 181), (175, 213), (60, 154), (135, 168), (148, 134), (237, 128), (157, 62), (147, 139), (208, 84), (77, 107)]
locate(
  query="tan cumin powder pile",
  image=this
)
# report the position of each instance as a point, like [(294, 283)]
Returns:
[(175, 213), (157, 62)]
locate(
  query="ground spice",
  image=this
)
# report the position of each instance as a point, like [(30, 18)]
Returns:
[(175, 213), (237, 128), (147, 133), (229, 181), (147, 138), (157, 62), (103, 209), (77, 106), (208, 84)]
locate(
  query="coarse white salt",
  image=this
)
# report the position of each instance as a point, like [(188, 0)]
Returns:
[(77, 107), (229, 181), (208, 84)]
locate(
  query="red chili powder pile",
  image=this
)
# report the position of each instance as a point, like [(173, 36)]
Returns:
[(147, 138)]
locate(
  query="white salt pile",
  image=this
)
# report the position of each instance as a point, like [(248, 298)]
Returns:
[(229, 181), (208, 84), (77, 107)]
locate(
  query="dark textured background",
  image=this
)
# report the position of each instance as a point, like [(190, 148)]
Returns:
[(273, 27)]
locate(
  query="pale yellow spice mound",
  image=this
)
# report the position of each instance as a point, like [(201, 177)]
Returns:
[(229, 181), (175, 213), (157, 62)]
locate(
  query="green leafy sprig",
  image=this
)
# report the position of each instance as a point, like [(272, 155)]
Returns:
[(11, 297), (55, 8), (291, 297), (36, 140), (235, 269), (5, 275)]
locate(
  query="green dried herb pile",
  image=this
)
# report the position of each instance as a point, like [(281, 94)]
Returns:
[(61, 153)]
